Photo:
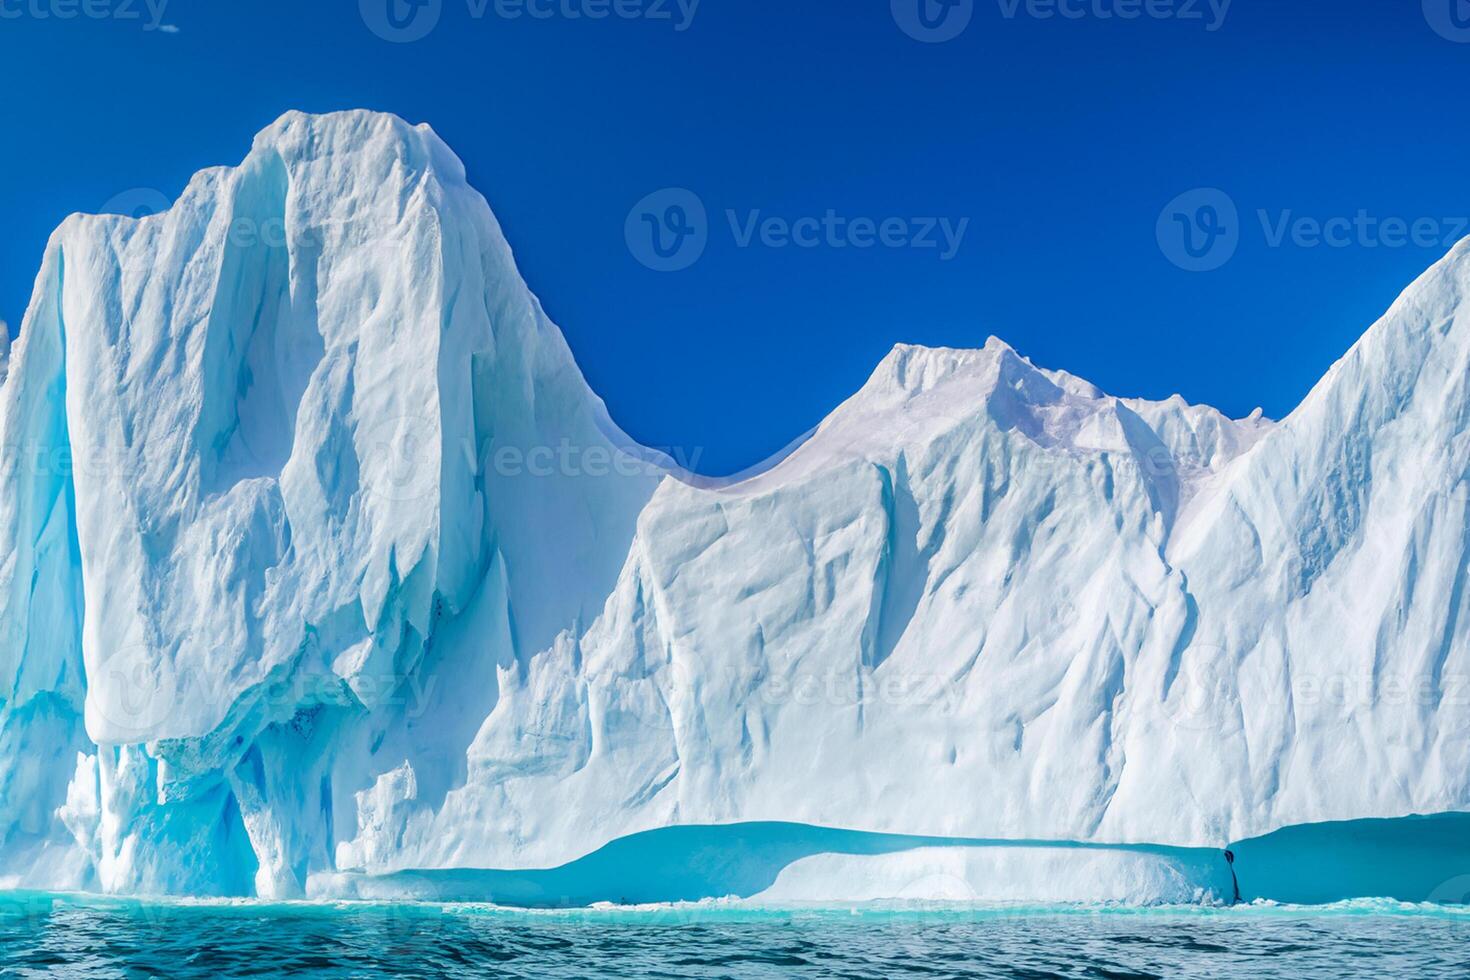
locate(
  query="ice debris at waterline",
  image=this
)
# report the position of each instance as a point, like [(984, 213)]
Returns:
[(320, 562)]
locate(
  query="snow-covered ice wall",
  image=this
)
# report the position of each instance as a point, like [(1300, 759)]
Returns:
[(318, 558)]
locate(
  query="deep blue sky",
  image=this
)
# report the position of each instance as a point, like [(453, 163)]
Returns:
[(1061, 140)]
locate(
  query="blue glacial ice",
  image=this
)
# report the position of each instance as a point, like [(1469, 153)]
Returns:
[(322, 568)]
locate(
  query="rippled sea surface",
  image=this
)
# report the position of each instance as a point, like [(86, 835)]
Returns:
[(56, 936)]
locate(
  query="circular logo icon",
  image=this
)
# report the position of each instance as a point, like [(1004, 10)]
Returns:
[(1199, 230), (1457, 487), (1204, 696), (140, 202), (1455, 891), (933, 21), (1449, 18), (413, 913), (132, 697), (401, 21), (399, 458), (668, 230), (656, 702), (939, 887)]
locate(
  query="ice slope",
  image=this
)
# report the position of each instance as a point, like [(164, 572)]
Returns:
[(318, 557)]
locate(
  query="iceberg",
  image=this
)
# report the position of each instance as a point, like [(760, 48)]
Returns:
[(323, 570)]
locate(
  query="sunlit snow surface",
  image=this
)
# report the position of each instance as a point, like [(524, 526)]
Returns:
[(320, 564)]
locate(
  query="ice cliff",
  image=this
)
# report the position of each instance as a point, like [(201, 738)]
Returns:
[(318, 558)]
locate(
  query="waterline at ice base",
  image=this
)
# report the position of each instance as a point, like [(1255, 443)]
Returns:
[(324, 574)]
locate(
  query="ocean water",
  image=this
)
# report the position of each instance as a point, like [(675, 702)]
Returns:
[(68, 936)]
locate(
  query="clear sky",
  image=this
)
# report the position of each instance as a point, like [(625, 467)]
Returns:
[(1053, 138)]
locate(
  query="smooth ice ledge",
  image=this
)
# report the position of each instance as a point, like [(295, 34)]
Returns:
[(1407, 860), (1412, 859), (792, 864)]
